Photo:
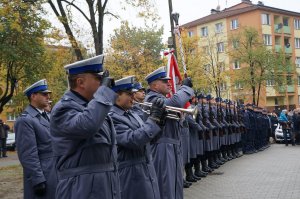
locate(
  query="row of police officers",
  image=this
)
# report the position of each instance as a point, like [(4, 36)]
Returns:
[(100, 143)]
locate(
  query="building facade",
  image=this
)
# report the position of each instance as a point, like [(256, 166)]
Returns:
[(279, 30)]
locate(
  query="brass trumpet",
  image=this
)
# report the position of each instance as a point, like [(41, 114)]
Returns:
[(172, 112)]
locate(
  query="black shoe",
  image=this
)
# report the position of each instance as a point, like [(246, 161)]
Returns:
[(200, 174), (196, 177), (186, 184), (208, 169), (190, 179), (5, 156)]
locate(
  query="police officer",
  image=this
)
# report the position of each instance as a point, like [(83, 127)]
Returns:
[(166, 150), (196, 147), (34, 144), (137, 175), (3, 137), (208, 134), (138, 97), (84, 135)]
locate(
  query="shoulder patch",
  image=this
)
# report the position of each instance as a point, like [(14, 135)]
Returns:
[(66, 98)]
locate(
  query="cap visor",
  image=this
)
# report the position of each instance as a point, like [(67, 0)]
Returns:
[(165, 78), (45, 91)]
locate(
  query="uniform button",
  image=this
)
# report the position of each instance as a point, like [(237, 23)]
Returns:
[(115, 192)]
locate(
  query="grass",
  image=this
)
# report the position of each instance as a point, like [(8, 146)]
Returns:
[(11, 182)]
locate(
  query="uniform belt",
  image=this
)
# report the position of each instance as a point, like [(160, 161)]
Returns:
[(132, 162), (46, 155), (97, 168), (168, 140)]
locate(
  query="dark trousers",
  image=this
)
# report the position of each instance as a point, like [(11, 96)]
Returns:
[(2, 147), (285, 133)]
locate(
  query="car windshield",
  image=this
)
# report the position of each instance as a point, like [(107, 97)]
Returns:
[(11, 135)]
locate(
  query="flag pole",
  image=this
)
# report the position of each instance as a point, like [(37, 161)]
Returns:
[(177, 32)]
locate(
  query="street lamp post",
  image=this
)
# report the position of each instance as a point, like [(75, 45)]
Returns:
[(172, 27)]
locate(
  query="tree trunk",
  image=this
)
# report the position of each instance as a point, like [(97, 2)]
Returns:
[(64, 20), (99, 45)]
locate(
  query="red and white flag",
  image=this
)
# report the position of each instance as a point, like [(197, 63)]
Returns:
[(173, 72)]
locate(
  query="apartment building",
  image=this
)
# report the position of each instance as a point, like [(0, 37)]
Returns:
[(280, 31)]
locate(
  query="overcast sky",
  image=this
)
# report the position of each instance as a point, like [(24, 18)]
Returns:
[(189, 10)]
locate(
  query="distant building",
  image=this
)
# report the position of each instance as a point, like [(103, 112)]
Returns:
[(279, 29)]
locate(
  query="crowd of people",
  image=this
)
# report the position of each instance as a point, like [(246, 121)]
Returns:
[(115, 139)]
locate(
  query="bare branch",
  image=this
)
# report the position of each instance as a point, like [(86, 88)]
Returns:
[(109, 13), (77, 8)]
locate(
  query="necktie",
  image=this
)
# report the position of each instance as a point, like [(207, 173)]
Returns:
[(44, 114)]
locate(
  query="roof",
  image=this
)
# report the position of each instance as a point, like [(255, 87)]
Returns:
[(232, 11)]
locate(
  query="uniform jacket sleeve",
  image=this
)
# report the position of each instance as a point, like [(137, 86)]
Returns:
[(179, 99), (27, 150), (135, 139), (79, 124), (193, 124)]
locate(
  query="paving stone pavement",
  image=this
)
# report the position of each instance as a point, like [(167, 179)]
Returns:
[(270, 174)]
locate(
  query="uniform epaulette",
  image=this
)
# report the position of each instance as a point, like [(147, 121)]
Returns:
[(23, 114), (66, 98)]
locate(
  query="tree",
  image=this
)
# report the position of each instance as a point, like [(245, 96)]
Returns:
[(22, 32), (213, 62), (134, 51), (97, 10), (260, 64), (193, 60)]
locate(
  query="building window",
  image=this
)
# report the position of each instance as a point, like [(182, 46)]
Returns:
[(207, 68), (11, 117), (270, 82), (289, 80), (276, 101), (190, 33), (236, 64), (286, 21), (219, 27), (297, 62), (235, 44), (298, 80), (206, 50), (267, 39), (238, 86), (297, 42), (298, 99), (223, 86), (265, 19), (297, 24), (204, 32), (220, 47), (234, 24)]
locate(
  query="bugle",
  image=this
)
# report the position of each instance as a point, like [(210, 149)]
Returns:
[(172, 112)]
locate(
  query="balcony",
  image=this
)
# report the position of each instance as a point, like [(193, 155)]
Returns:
[(278, 28), (288, 50), (290, 88), (287, 29), (277, 48), (281, 89)]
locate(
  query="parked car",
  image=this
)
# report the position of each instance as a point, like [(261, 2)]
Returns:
[(279, 134), (11, 141)]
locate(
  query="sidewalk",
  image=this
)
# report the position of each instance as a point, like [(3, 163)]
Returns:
[(11, 160), (270, 174)]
